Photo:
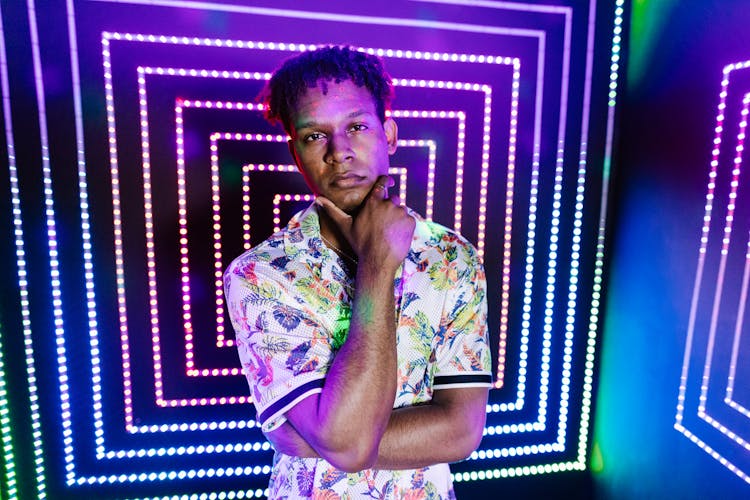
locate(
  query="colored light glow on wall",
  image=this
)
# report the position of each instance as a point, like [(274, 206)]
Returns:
[(725, 241), (729, 396), (692, 343), (591, 349), (21, 262), (143, 71), (539, 425), (9, 460), (588, 378), (151, 271), (6, 437)]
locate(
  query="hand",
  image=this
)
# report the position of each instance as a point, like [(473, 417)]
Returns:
[(287, 440), (381, 231)]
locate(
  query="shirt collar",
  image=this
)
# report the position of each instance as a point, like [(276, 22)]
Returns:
[(305, 226)]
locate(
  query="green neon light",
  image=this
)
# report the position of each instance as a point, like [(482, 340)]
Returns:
[(10, 490), (648, 18)]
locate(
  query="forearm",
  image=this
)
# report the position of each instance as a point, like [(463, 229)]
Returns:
[(358, 396), (435, 432), (443, 430), (346, 421)]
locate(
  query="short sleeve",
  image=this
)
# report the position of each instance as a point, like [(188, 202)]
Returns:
[(463, 355), (284, 352)]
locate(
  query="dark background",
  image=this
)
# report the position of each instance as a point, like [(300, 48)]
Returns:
[(664, 106)]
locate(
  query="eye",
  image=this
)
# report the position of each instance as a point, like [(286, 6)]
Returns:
[(358, 127), (314, 137)]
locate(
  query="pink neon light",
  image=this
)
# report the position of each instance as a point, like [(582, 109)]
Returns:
[(719, 291), (246, 169), (151, 38), (728, 398), (221, 338), (216, 227), (456, 85), (714, 165)]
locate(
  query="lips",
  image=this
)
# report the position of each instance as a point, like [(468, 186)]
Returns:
[(348, 180)]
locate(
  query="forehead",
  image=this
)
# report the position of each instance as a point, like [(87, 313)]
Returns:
[(329, 99)]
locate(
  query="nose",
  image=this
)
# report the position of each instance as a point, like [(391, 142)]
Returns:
[(339, 149)]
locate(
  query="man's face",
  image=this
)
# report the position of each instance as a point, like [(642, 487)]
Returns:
[(339, 143)]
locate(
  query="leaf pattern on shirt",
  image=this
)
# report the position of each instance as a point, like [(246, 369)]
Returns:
[(280, 262), (331, 476), (320, 295), (421, 333), (407, 299), (305, 480), (290, 303), (286, 316), (341, 325), (476, 362), (301, 359), (444, 273), (259, 295)]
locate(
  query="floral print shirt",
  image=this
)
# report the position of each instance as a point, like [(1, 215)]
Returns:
[(290, 300)]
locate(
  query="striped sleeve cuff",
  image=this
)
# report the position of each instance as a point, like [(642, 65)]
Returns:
[(471, 379), (277, 408)]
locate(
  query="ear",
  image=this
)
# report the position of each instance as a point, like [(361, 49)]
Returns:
[(391, 134)]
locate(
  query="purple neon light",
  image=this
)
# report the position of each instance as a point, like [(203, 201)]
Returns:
[(209, 5), (412, 82), (710, 198), (719, 292), (420, 83), (236, 75), (729, 397)]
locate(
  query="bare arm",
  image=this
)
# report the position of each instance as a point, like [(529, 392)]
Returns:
[(345, 422), (446, 429)]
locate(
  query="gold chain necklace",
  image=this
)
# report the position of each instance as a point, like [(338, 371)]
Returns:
[(338, 250)]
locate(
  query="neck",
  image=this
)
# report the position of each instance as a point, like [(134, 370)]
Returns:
[(330, 232)]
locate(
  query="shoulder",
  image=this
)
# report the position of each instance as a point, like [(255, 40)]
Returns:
[(435, 237), (275, 254), (264, 257)]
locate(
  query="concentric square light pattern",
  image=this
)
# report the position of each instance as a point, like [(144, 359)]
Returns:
[(712, 408), (196, 176)]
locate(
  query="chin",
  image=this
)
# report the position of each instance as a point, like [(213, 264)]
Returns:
[(350, 204)]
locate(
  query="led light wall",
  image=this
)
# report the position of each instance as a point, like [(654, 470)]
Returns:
[(147, 166), (672, 412)]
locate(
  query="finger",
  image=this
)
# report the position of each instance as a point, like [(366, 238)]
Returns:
[(380, 188), (341, 218), (389, 184)]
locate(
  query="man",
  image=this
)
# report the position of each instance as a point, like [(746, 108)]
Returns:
[(360, 326)]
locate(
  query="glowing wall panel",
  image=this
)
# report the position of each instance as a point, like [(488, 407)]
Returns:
[(714, 397), (156, 168)]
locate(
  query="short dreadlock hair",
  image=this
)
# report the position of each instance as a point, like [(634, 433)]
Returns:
[(331, 63)]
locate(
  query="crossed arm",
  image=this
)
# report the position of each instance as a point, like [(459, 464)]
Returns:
[(351, 423), (446, 429)]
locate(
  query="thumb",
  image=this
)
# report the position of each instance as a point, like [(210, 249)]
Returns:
[(339, 217)]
